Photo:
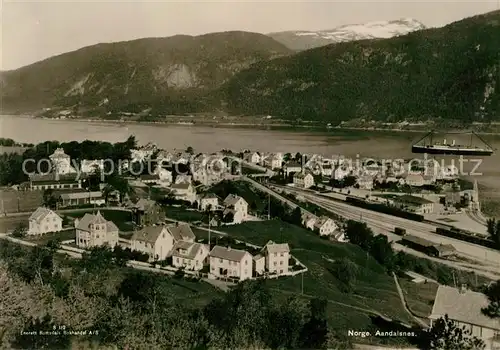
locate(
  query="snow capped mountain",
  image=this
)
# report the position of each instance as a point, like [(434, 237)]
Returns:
[(302, 40)]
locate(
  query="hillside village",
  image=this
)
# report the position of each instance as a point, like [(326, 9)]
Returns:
[(176, 218)]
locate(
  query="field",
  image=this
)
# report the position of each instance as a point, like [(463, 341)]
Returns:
[(373, 292), (420, 296), (19, 201), (64, 235), (122, 219), (183, 214)]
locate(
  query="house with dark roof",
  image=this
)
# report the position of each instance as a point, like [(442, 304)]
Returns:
[(55, 181), (292, 167), (94, 230), (190, 255), (414, 204), (428, 247), (226, 262), (146, 212), (156, 241), (75, 197), (464, 307)]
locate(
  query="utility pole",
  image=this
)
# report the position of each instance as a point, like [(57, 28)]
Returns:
[(268, 206), (454, 281), (209, 242), (302, 287)]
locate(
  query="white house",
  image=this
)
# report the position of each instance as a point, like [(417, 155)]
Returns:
[(61, 162), (416, 180), (308, 221), (44, 220), (272, 160), (156, 241), (164, 175), (327, 170), (277, 256), (325, 226), (464, 308), (190, 255), (227, 262), (292, 167), (208, 201), (183, 179), (303, 179), (365, 182), (94, 230), (253, 157), (184, 191), (237, 206), (340, 172), (92, 166)]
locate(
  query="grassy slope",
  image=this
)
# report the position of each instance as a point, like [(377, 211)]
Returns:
[(374, 289)]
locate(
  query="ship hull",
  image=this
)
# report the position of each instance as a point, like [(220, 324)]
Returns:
[(451, 151)]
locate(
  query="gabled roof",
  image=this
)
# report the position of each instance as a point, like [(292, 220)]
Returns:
[(81, 195), (40, 213), (181, 186), (148, 234), (209, 195), (301, 175), (322, 220), (232, 199), (409, 199), (293, 164), (187, 250), (143, 204), (228, 253), (92, 219), (272, 247), (463, 306), (181, 231)]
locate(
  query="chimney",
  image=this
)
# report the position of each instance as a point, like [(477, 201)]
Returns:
[(463, 288), (177, 224), (76, 222)]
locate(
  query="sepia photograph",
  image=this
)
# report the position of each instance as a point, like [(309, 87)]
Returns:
[(253, 174)]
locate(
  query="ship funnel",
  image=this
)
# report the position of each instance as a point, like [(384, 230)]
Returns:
[(453, 143), (444, 142)]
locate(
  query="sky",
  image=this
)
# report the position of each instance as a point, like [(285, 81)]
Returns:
[(34, 30)]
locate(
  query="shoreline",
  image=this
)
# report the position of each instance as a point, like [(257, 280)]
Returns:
[(258, 126)]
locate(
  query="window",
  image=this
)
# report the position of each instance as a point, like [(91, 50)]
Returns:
[(275, 263), (246, 262), (177, 260), (281, 271), (282, 254), (213, 268), (281, 262), (220, 260)]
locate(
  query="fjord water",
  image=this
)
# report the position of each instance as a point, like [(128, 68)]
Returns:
[(385, 145)]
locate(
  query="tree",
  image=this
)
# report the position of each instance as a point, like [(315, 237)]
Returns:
[(315, 332), (381, 250), (493, 228), (346, 272), (20, 231), (296, 216), (445, 334), (120, 184), (49, 199), (493, 294), (358, 233), (190, 150)]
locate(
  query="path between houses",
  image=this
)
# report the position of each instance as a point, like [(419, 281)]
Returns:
[(405, 304)]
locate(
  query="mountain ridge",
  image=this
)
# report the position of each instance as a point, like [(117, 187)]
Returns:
[(142, 70), (300, 40)]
